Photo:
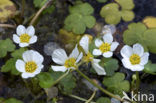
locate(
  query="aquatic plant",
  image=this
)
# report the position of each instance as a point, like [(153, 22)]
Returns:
[(112, 14)]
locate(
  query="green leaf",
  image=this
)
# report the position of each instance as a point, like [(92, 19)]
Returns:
[(134, 33), (150, 68), (103, 100), (45, 80), (117, 84), (102, 1), (150, 39), (49, 10), (83, 9), (127, 15), (126, 4), (110, 65), (10, 67), (18, 53), (12, 100), (39, 3), (6, 46), (89, 21), (67, 84)]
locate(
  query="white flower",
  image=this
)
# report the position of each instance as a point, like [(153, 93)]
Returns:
[(105, 48), (24, 36), (84, 43), (31, 64), (134, 58), (60, 57)]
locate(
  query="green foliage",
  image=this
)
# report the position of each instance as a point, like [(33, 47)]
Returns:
[(110, 65), (40, 3), (150, 68), (103, 100), (102, 1), (6, 46), (10, 64), (138, 33), (45, 80), (113, 15), (12, 100), (116, 83), (79, 18), (67, 84)]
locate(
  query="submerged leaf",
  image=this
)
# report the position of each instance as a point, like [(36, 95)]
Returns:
[(103, 100)]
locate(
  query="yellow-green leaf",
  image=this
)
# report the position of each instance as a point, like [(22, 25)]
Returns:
[(150, 22)]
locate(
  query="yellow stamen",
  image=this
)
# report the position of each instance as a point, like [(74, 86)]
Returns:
[(88, 57), (135, 59), (105, 47), (70, 63), (24, 38), (30, 67)]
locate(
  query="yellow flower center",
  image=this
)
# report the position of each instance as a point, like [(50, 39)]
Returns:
[(30, 67), (70, 63), (135, 59), (105, 47), (88, 57), (24, 38)]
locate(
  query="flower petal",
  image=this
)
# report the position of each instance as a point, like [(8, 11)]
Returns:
[(16, 39), (38, 70), (97, 52), (84, 43), (23, 44), (108, 38), (20, 65), (59, 68), (126, 63), (114, 45), (137, 67), (98, 42), (144, 58), (74, 53), (37, 57), (27, 55), (126, 51), (59, 56), (138, 49), (33, 39), (108, 54), (79, 57), (98, 68), (20, 30), (27, 75), (30, 30)]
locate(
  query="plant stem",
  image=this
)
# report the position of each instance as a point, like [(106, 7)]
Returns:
[(137, 81), (7, 26), (23, 7), (79, 98), (99, 87), (60, 78), (40, 11), (92, 96)]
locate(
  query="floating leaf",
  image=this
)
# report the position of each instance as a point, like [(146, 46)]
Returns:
[(110, 65), (6, 46), (7, 10), (149, 37), (12, 100), (79, 18), (112, 13), (126, 4), (150, 22), (45, 80), (103, 100), (67, 84), (116, 83), (150, 68), (10, 67), (134, 33)]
